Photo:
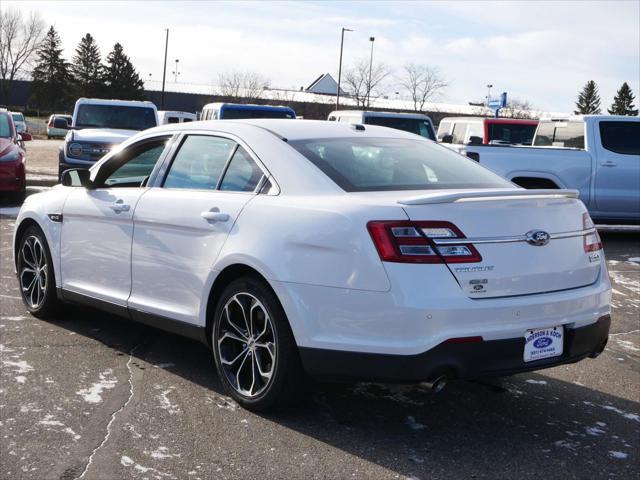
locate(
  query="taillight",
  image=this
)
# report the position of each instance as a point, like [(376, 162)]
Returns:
[(413, 242), (591, 241)]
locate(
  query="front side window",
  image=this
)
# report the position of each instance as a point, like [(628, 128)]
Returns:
[(231, 113), (5, 126), (199, 163), (444, 129), (476, 129), (378, 164), (133, 166), (242, 175), (621, 137)]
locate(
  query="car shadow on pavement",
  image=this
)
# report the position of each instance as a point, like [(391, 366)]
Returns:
[(493, 428)]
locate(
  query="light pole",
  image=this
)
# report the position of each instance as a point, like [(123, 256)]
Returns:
[(489, 86), (176, 72), (164, 69), (371, 39), (340, 67)]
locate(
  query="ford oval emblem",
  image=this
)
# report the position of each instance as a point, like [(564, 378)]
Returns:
[(537, 238), (542, 342)]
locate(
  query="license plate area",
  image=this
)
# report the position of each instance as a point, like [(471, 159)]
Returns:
[(543, 343)]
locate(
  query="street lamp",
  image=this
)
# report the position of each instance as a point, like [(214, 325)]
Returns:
[(371, 39), (340, 67), (176, 72), (489, 86), (164, 69)]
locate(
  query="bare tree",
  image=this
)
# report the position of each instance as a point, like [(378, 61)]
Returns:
[(517, 108), (19, 40), (249, 85), (357, 81), (423, 83)]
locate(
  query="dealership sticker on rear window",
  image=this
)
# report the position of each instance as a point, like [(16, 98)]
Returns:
[(543, 343)]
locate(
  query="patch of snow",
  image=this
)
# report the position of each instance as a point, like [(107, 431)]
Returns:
[(20, 366), (21, 379), (93, 393), (10, 211), (411, 422), (567, 444), (161, 452), (629, 416), (634, 260), (166, 404), (621, 455), (164, 365), (17, 318), (627, 345), (126, 461), (536, 382), (75, 436), (594, 431), (49, 420)]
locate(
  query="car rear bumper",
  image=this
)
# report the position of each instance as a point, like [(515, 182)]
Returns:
[(455, 360), (12, 177)]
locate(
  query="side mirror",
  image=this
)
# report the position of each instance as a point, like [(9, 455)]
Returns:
[(447, 139), (25, 137), (60, 123), (76, 177)]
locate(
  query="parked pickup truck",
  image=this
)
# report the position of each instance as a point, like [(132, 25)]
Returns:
[(99, 125), (599, 155)]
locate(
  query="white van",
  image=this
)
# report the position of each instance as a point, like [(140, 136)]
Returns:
[(168, 116), (417, 123)]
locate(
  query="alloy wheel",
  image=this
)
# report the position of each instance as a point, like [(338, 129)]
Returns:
[(33, 272), (246, 345)]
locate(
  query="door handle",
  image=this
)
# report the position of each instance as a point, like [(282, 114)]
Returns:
[(213, 216), (608, 163), (119, 206)]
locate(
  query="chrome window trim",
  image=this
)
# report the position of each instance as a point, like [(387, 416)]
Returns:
[(510, 239)]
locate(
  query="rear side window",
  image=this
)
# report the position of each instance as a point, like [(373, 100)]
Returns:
[(459, 130), (621, 137), (476, 129), (411, 125), (444, 129), (173, 120), (378, 164), (515, 134), (242, 175), (560, 134), (199, 162), (132, 166)]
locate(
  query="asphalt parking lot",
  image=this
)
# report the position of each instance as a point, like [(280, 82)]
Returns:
[(93, 396)]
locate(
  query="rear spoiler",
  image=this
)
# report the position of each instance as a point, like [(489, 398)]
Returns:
[(488, 195)]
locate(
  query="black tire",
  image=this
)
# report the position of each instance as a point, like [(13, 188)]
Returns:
[(286, 384), (48, 304)]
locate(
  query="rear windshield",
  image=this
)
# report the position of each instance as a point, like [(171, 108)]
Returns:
[(560, 134), (411, 125), (230, 113), (115, 116), (510, 133), (379, 164), (17, 117)]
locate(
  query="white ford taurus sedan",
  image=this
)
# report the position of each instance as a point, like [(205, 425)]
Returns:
[(332, 250)]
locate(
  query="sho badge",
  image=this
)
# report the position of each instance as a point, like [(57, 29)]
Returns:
[(537, 238)]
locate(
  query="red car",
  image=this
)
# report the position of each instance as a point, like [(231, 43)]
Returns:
[(12, 157)]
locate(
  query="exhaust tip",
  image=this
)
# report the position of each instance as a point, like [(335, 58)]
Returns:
[(438, 384)]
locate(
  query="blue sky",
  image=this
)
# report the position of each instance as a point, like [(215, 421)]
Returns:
[(542, 52)]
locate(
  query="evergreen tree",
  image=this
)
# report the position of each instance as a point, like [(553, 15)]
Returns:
[(623, 102), (51, 75), (87, 68), (588, 100), (121, 79)]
